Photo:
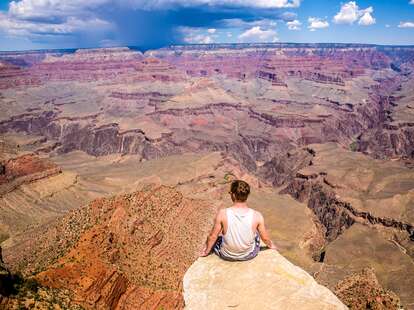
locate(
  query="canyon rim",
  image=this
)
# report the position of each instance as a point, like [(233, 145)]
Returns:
[(104, 150)]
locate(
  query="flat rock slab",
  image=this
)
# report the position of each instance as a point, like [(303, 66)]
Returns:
[(269, 281)]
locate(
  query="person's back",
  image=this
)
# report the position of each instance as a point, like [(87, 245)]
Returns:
[(240, 228), (239, 239)]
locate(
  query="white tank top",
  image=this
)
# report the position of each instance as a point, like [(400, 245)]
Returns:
[(238, 242)]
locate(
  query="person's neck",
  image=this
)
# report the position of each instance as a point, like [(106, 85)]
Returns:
[(239, 205)]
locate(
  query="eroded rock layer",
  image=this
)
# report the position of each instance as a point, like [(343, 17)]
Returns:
[(329, 124), (126, 252), (362, 291)]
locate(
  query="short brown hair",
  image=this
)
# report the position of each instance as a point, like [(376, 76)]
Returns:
[(240, 189)]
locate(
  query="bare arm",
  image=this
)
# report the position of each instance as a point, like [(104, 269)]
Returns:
[(212, 237), (264, 235)]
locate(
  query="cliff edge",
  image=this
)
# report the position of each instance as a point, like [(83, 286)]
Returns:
[(269, 281)]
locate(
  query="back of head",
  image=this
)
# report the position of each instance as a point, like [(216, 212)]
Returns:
[(240, 189)]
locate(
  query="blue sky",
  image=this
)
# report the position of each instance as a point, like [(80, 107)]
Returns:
[(37, 24)]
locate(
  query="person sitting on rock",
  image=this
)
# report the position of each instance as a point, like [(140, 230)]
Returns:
[(235, 235)]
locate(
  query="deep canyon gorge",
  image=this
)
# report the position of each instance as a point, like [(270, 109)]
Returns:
[(102, 150)]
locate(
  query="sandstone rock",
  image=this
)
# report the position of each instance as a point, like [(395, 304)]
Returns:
[(254, 103), (363, 291), (126, 252), (267, 282), (24, 169)]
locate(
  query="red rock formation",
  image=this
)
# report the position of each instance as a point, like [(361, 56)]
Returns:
[(12, 76), (325, 64), (362, 291), (120, 64), (88, 65), (126, 252), (25, 169)]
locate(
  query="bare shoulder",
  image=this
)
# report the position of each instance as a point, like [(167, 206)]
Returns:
[(221, 214), (258, 216)]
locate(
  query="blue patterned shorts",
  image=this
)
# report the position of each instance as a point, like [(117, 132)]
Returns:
[(251, 255)]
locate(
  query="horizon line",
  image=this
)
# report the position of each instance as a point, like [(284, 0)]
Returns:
[(144, 49)]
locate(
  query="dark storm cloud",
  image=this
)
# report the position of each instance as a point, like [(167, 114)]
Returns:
[(151, 29), (147, 24)]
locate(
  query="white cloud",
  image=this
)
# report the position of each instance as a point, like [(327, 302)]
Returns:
[(198, 39), (43, 8), (162, 4), (350, 13), (50, 9), (87, 22), (34, 18), (294, 25), (412, 2), (387, 26), (196, 35), (34, 9), (366, 19), (406, 25), (71, 25), (317, 23), (256, 34)]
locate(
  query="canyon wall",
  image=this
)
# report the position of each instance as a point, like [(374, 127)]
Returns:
[(272, 111)]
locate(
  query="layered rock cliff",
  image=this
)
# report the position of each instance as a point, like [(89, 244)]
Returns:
[(342, 94), (260, 106), (363, 213)]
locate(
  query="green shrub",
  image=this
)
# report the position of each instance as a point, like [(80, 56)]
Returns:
[(353, 146)]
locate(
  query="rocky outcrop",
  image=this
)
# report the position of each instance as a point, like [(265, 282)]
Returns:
[(22, 293), (267, 282), (362, 291), (114, 253), (322, 201), (334, 214), (390, 141), (25, 169), (283, 168)]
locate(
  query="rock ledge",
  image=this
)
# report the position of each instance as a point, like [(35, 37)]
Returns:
[(269, 281)]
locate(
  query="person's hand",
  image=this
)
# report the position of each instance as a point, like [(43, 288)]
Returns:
[(204, 252), (273, 247)]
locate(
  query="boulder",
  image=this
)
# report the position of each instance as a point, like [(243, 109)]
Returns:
[(269, 281)]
